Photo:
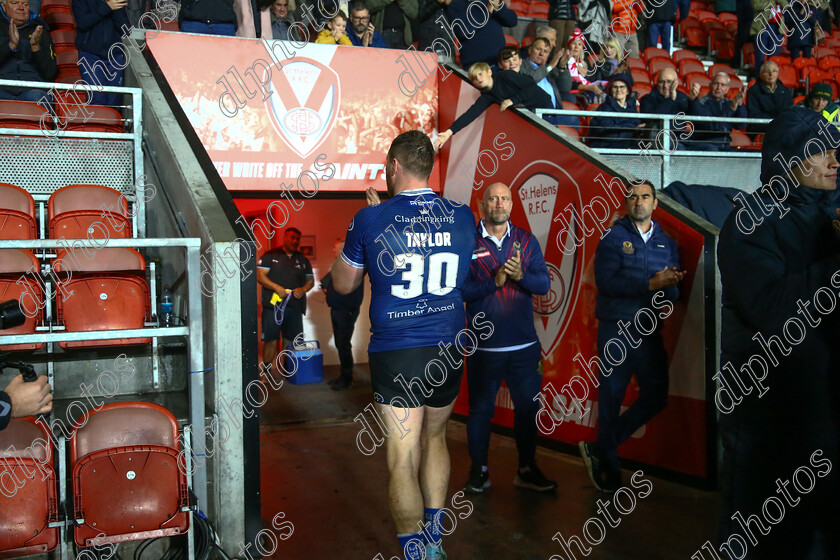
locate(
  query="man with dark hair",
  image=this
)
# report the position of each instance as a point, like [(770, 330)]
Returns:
[(286, 276), (361, 31), (507, 271), (777, 269), (636, 267), (344, 310), (505, 87), (416, 248), (26, 50)]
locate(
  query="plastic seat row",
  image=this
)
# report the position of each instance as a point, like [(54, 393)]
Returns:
[(126, 482), (32, 116)]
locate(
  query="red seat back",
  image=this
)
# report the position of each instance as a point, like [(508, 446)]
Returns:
[(19, 271), (17, 213), (75, 212)]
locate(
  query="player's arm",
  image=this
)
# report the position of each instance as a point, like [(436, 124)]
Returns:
[(346, 278)]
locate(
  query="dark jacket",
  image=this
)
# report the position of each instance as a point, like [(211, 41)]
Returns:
[(764, 104), (512, 304), (335, 300), (614, 132), (715, 132), (207, 11), (624, 265), (559, 78), (655, 102), (507, 84), (482, 43), (561, 9), (710, 202), (377, 42), (428, 32), (98, 26), (22, 63), (667, 11), (796, 20)]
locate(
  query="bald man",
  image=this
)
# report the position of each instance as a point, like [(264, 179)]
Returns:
[(507, 269), (665, 99)]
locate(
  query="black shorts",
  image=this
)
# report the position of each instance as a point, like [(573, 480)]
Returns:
[(414, 377), (291, 327)]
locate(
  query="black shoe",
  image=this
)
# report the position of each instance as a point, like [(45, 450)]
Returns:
[(604, 479), (532, 477), (341, 383), (478, 481)]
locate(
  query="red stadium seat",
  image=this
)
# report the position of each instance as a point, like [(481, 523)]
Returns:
[(696, 7), (740, 140), (684, 54), (811, 75), (60, 20), (726, 18), (68, 61), (527, 40), (127, 484), (715, 68), (705, 15), (697, 78), (687, 65), (801, 62), (723, 45), (19, 271), (173, 25), (652, 52), (748, 54), (779, 59), (570, 131), (23, 114), (25, 516), (658, 64), (829, 61), (538, 9), (642, 89), (636, 63), (640, 76), (48, 6), (103, 289), (510, 41), (75, 212), (735, 85), (95, 118), (64, 38), (712, 25), (696, 37), (788, 76), (17, 213), (820, 52)]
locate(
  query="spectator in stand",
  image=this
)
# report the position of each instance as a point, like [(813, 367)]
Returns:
[(715, 136), (393, 19), (561, 17), (819, 100), (661, 23), (553, 78), (480, 43), (767, 97), (334, 34), (744, 11), (429, 33), (542, 32), (800, 16), (362, 32), (505, 87), (99, 26), (509, 59), (625, 23), (577, 65), (611, 60), (209, 17), (665, 99), (282, 16), (616, 132), (26, 50), (764, 29)]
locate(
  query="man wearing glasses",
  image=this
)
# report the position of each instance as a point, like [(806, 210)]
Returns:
[(361, 31), (26, 50), (281, 20), (665, 99)]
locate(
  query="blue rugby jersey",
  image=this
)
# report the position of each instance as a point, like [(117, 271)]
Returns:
[(416, 248)]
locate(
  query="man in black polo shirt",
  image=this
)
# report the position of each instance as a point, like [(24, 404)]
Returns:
[(283, 272)]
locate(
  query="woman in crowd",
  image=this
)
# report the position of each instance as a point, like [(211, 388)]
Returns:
[(616, 132), (578, 68)]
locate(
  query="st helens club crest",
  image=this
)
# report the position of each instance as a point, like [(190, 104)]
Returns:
[(543, 191), (303, 103)]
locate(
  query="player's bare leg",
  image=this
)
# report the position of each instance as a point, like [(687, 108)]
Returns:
[(269, 352), (404, 456), (434, 462)]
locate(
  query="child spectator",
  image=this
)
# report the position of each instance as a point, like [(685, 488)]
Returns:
[(334, 34), (509, 59)]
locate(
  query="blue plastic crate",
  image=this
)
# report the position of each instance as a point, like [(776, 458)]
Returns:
[(308, 363)]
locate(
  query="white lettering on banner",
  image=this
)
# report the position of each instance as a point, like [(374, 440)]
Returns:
[(538, 195)]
